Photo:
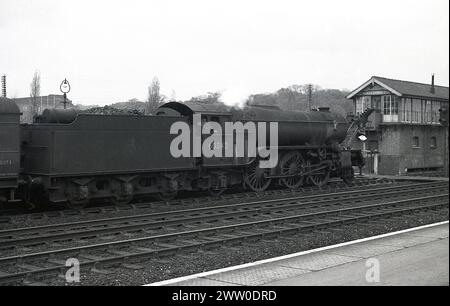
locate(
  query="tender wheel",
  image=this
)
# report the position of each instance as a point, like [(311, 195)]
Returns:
[(215, 192), (77, 197), (122, 193), (121, 200), (166, 196), (319, 178), (77, 204), (254, 177), (292, 163)]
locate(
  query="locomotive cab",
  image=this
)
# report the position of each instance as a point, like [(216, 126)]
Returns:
[(9, 148)]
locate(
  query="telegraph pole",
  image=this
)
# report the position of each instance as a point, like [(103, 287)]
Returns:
[(4, 86), (309, 97)]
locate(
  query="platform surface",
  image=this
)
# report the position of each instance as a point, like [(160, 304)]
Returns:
[(418, 257)]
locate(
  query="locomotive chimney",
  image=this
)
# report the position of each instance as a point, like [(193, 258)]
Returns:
[(4, 86), (432, 84)]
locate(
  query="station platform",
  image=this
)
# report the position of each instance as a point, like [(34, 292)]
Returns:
[(418, 256)]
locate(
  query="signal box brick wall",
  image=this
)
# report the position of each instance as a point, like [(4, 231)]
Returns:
[(400, 154)]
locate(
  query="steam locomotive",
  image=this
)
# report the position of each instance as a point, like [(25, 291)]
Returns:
[(70, 158)]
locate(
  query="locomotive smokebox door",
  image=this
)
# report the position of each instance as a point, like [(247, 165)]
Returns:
[(9, 147)]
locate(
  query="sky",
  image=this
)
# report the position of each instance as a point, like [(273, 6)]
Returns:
[(111, 50)]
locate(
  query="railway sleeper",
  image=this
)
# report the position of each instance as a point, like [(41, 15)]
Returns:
[(208, 248), (233, 248), (130, 266), (120, 253), (291, 238), (56, 261), (28, 267), (248, 233), (187, 256), (187, 242), (4, 274), (91, 257), (167, 246), (101, 271), (206, 251), (144, 249)]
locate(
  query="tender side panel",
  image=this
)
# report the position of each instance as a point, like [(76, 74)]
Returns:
[(98, 145)]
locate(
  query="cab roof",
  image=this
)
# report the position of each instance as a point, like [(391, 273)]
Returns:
[(189, 108)]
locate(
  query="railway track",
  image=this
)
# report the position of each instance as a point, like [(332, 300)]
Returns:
[(185, 203), (199, 216), (187, 237)]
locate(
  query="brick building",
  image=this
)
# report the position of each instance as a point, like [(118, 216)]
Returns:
[(403, 134), (41, 103)]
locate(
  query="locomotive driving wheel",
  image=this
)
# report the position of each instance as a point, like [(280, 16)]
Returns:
[(255, 177), (292, 163), (319, 178)]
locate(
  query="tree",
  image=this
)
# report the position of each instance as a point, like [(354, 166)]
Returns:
[(295, 97), (154, 98), (35, 92)]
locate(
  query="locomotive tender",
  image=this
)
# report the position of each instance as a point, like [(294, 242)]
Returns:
[(70, 158)]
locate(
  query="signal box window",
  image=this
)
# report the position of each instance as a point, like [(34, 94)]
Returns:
[(433, 142), (415, 142), (390, 105)]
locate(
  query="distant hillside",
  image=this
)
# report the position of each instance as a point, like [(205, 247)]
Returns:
[(109, 110), (132, 105), (295, 97)]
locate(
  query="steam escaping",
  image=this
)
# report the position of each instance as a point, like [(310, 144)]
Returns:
[(235, 97)]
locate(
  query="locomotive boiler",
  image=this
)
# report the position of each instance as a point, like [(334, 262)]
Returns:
[(319, 127)]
